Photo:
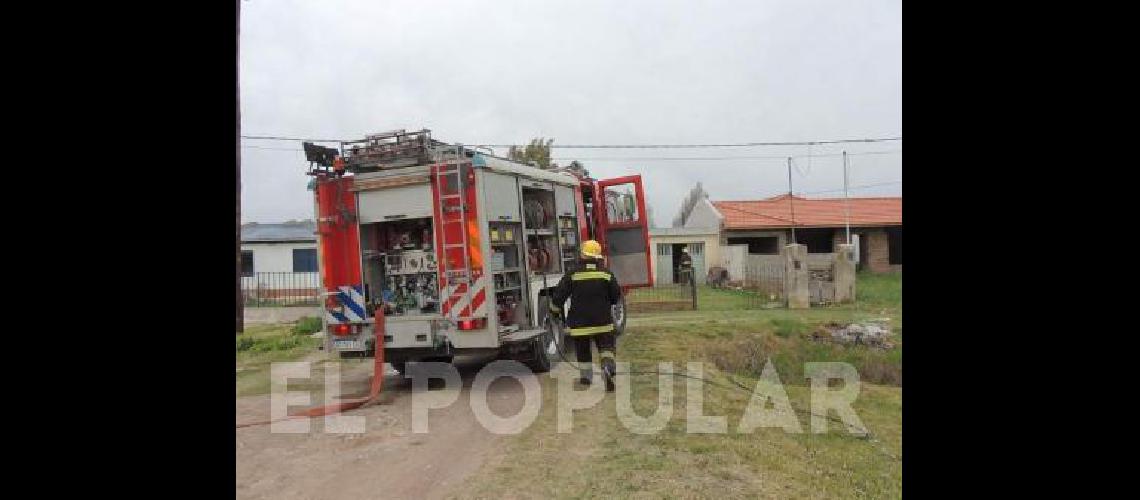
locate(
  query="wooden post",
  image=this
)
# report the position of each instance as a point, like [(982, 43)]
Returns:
[(693, 288), (237, 169)]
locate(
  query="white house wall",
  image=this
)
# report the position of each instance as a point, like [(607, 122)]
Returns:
[(277, 258), (711, 241), (703, 215), (274, 257)]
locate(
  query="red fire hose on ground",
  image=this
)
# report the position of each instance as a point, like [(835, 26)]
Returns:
[(377, 383)]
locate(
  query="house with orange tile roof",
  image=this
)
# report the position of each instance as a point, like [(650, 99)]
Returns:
[(763, 227)]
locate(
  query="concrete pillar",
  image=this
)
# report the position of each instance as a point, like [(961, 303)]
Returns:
[(843, 272), (796, 277)]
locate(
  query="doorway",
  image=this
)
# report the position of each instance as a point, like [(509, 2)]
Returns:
[(696, 251)]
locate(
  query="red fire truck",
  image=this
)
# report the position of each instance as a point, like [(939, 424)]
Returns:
[(460, 247)]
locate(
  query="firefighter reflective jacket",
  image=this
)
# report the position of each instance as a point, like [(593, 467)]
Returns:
[(592, 290)]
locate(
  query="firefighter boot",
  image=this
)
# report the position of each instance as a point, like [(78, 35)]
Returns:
[(586, 375), (609, 371)]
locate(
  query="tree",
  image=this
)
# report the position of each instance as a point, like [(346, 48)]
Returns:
[(538, 151)]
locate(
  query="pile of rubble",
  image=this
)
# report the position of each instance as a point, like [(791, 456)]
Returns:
[(875, 333)]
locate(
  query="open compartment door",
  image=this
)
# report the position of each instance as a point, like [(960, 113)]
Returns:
[(623, 229), (339, 251)]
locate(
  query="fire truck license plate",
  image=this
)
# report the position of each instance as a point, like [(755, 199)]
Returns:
[(348, 344)]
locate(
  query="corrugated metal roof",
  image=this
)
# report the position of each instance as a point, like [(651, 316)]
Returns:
[(820, 212), (288, 231)]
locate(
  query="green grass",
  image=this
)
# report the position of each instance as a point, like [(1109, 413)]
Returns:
[(871, 291), (307, 325), (788, 327), (882, 290), (600, 458), (261, 345)]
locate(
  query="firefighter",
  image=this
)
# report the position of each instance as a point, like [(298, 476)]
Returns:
[(593, 290), (686, 266)]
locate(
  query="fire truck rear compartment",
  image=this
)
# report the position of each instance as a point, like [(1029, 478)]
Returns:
[(398, 263), (399, 266)]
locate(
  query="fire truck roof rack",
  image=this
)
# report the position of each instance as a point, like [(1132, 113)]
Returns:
[(384, 150), (399, 148)]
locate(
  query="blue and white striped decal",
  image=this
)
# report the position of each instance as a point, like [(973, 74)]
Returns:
[(352, 300)]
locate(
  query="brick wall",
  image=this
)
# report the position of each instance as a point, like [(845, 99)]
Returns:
[(878, 250), (839, 238)]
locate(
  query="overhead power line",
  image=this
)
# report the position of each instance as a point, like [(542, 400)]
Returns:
[(271, 148), (279, 138), (863, 186), (628, 146), (721, 158), (749, 212), (850, 188), (690, 146)]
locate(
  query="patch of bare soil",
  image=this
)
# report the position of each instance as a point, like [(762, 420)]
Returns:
[(388, 460)]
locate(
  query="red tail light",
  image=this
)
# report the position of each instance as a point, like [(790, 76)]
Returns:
[(472, 324), (342, 329)]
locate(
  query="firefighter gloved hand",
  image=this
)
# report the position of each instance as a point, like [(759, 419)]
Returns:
[(556, 313)]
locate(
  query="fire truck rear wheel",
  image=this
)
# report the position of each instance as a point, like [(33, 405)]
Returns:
[(539, 362), (619, 313)]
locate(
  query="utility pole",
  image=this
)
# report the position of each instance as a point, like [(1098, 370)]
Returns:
[(237, 170), (846, 200), (791, 200)]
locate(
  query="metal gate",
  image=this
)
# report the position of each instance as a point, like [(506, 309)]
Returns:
[(697, 252), (664, 275)]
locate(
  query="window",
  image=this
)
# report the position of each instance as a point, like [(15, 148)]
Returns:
[(767, 245), (621, 204), (247, 262), (894, 246), (696, 248), (816, 240), (664, 249), (304, 260)]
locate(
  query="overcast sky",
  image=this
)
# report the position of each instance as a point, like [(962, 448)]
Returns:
[(582, 72)]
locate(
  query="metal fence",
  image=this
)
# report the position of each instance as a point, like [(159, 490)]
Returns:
[(765, 278), (280, 289), (759, 286), (665, 297)]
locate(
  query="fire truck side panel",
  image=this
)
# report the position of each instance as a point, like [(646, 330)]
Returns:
[(409, 332), (564, 200), (340, 252), (502, 194)]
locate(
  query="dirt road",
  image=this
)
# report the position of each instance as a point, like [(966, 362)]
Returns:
[(388, 460)]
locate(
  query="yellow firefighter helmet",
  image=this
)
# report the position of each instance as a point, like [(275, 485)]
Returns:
[(592, 249)]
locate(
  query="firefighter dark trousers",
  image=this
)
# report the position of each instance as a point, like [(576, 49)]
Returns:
[(606, 343)]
